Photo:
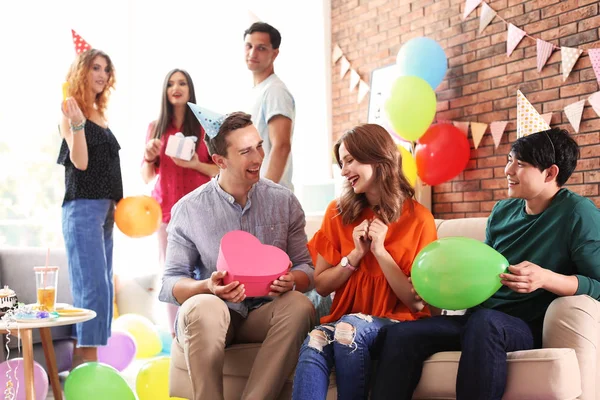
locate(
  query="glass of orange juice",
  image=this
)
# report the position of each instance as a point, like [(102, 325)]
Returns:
[(46, 280)]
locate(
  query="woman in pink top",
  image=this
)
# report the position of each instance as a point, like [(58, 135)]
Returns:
[(176, 177)]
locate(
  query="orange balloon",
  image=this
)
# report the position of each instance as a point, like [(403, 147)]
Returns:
[(138, 216)]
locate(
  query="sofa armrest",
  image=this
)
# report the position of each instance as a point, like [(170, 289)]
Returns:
[(573, 322)]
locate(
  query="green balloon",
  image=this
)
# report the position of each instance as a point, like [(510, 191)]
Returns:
[(411, 107), (455, 273), (96, 381)]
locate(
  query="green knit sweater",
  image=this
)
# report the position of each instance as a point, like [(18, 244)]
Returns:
[(564, 238)]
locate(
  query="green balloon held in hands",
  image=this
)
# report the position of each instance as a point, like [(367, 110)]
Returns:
[(455, 273)]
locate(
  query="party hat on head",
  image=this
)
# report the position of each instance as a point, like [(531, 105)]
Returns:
[(210, 120), (80, 44), (528, 119)]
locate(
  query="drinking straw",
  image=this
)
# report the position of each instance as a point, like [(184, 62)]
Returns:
[(46, 269)]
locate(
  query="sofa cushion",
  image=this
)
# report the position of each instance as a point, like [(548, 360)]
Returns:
[(468, 227), (533, 374)]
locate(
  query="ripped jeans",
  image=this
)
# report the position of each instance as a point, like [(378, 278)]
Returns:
[(345, 344)]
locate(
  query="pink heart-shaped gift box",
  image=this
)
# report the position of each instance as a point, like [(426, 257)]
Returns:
[(250, 262)]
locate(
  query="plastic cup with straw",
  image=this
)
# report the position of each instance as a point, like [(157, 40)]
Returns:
[(46, 282)]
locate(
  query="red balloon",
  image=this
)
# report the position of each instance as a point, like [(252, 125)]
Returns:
[(441, 153)]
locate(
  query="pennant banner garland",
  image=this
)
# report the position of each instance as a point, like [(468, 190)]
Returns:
[(515, 35), (574, 112), (354, 78), (463, 126), (478, 130), (594, 101), (595, 57), (497, 129), (363, 88), (569, 58), (470, 6), (547, 117), (487, 15), (345, 67), (337, 54), (544, 51)]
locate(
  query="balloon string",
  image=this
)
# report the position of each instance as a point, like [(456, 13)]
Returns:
[(9, 390)]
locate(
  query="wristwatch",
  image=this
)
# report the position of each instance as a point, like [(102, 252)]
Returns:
[(345, 263)]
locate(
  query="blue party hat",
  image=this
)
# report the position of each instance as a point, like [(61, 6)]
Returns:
[(210, 120)]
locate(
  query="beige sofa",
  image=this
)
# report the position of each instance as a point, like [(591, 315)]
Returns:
[(568, 367)]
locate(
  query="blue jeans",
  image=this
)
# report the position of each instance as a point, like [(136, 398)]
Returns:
[(484, 336), (87, 229), (349, 348)]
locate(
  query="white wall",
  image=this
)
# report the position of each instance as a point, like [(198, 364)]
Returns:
[(145, 39)]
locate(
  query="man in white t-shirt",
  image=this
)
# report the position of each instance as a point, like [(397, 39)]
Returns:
[(272, 107)]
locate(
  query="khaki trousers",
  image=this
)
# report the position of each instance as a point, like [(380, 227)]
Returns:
[(205, 326)]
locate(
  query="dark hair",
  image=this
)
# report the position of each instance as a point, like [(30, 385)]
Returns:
[(191, 126), (218, 144), (547, 148), (266, 28), (371, 144)]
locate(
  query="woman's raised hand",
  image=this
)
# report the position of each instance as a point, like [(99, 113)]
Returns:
[(72, 111)]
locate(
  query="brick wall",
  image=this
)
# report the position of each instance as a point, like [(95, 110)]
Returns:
[(481, 81)]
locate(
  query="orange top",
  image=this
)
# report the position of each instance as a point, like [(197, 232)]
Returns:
[(367, 290)]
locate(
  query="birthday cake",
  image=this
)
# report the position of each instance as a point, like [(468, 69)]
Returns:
[(8, 299)]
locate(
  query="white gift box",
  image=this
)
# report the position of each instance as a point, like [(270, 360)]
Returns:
[(181, 147)]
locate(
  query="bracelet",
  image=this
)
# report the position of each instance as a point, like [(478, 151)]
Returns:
[(150, 161), (79, 127)]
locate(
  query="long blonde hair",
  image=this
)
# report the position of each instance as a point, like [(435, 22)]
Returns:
[(371, 144), (79, 85)]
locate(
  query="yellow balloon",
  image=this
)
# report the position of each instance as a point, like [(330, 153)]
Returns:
[(152, 382), (145, 334), (409, 166)]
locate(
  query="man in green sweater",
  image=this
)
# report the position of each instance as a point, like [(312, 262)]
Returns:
[(551, 238)]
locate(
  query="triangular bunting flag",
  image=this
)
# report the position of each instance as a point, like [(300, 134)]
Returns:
[(478, 130), (337, 54), (497, 129), (470, 5), (595, 102), (569, 58), (80, 44), (487, 15), (595, 57), (345, 67), (528, 119), (462, 125), (574, 112), (544, 51), (363, 89), (547, 117), (354, 78), (515, 35)]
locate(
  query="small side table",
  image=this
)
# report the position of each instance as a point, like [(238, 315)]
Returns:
[(25, 329)]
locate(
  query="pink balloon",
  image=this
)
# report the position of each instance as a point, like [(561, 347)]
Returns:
[(40, 378), (119, 352)]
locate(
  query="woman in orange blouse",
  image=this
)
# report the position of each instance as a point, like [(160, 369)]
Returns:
[(363, 252)]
